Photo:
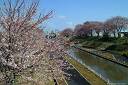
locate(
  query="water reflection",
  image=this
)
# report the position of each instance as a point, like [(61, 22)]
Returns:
[(76, 78)]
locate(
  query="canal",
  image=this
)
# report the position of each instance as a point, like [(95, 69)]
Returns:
[(76, 78), (109, 71)]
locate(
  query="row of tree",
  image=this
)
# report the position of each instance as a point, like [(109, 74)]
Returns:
[(111, 27)]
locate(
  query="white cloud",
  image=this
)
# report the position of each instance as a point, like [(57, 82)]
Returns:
[(62, 17)]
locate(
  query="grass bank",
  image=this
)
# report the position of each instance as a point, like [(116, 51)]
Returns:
[(117, 45)]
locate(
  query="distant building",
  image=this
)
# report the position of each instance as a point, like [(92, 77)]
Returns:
[(124, 34), (51, 35)]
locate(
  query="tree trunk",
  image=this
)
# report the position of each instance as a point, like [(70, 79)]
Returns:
[(119, 35), (55, 81), (98, 34), (114, 34), (91, 33)]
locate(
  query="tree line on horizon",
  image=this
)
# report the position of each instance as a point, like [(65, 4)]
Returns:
[(111, 27)]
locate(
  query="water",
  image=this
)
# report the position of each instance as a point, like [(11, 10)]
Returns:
[(76, 78), (110, 71)]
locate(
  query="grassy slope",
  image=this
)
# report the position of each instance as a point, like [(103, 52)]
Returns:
[(118, 45), (62, 82)]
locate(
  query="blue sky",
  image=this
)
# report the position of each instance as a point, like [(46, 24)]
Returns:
[(68, 13)]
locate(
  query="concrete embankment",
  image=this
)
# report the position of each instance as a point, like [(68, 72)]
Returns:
[(101, 56)]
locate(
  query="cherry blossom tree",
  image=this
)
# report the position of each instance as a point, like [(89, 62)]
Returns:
[(98, 27), (67, 32), (23, 46), (76, 29), (89, 26), (81, 32), (118, 24)]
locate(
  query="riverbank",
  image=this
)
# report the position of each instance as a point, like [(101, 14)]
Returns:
[(61, 82), (116, 45), (106, 56), (86, 73)]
